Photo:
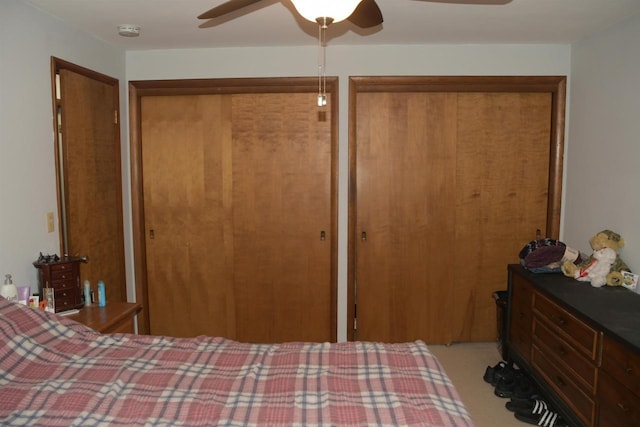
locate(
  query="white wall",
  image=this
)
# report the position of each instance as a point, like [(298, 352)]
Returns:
[(344, 61), (603, 159), (28, 39)]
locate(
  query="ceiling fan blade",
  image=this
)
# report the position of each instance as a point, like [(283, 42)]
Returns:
[(366, 15), (228, 7), (478, 2)]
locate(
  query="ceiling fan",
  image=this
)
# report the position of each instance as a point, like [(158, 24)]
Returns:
[(362, 13)]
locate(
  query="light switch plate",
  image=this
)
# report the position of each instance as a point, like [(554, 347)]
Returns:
[(50, 223)]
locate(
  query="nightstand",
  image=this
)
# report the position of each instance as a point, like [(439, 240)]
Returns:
[(114, 318)]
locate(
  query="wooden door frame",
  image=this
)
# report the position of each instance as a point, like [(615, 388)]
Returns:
[(139, 89), (555, 85)]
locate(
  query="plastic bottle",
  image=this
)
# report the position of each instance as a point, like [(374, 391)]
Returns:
[(9, 290), (102, 296), (87, 292)]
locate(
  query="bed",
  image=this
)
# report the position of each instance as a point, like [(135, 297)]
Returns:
[(56, 372)]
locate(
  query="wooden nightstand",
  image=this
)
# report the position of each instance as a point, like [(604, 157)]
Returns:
[(114, 318)]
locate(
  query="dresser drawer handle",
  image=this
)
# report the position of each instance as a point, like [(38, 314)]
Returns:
[(560, 381), (561, 351), (623, 407), (628, 370), (559, 320)]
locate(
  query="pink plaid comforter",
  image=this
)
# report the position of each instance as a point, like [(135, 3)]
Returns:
[(55, 372)]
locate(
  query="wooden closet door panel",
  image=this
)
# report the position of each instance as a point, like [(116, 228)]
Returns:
[(92, 179), (282, 165), (406, 207), (186, 160), (502, 196)]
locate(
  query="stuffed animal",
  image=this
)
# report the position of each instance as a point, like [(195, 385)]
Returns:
[(596, 272), (604, 239)]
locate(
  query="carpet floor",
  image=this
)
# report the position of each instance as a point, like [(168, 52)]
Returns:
[(465, 364)]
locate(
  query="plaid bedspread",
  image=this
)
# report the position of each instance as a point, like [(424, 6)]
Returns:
[(55, 372)]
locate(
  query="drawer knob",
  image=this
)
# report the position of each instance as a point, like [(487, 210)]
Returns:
[(560, 381), (559, 320), (628, 369), (623, 407)]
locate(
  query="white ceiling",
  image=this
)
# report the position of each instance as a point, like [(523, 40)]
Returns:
[(168, 24)]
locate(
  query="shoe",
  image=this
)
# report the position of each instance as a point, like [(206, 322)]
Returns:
[(525, 389), (527, 406), (491, 371), (509, 382), (546, 419)]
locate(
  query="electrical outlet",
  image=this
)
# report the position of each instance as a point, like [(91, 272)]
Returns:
[(50, 223)]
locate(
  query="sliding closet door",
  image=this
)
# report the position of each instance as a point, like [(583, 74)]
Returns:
[(186, 163), (406, 216), (502, 196), (448, 187), (281, 218), (90, 176), (238, 206)]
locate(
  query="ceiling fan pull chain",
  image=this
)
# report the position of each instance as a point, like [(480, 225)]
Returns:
[(322, 60)]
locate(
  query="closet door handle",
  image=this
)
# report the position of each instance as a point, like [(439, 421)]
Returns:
[(323, 235), (364, 236)]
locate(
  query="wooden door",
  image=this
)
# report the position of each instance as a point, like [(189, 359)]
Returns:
[(406, 215), (238, 192), (282, 203), (90, 176), (502, 198), (184, 139), (449, 186)]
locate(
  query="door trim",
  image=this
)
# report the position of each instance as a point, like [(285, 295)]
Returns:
[(555, 85), (139, 89)]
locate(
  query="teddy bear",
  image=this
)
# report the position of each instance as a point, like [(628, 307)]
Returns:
[(605, 238), (596, 272)]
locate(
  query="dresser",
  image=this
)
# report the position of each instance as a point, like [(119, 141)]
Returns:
[(580, 344)]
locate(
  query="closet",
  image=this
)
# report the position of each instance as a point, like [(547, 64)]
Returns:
[(450, 177), (237, 191)]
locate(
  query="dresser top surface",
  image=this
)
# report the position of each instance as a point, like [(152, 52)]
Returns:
[(615, 310)]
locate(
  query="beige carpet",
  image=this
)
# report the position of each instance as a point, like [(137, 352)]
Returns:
[(465, 364)]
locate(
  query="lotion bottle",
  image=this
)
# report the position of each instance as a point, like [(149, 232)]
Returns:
[(102, 296), (87, 292), (9, 290)]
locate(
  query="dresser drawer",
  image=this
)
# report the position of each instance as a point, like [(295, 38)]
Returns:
[(520, 321), (66, 301), (582, 404), (618, 407), (581, 335), (60, 267), (621, 363), (581, 369), (71, 283), (63, 275)]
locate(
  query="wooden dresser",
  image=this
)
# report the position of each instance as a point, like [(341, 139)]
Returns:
[(579, 343)]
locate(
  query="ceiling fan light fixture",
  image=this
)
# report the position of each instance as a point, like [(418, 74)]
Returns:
[(337, 10)]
